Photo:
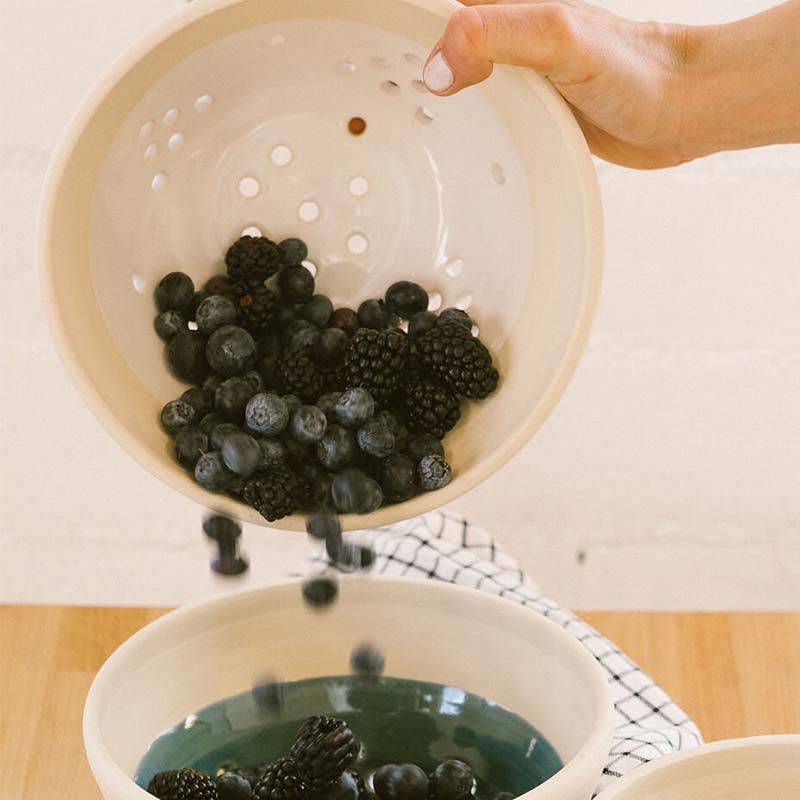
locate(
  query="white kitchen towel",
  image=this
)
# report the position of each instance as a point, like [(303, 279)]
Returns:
[(444, 546)]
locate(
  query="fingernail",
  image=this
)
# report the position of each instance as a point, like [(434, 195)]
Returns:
[(438, 76)]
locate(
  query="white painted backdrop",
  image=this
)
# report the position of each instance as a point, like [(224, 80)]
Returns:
[(667, 478)]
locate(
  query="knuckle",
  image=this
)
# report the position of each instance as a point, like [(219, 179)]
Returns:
[(471, 26), (558, 22)]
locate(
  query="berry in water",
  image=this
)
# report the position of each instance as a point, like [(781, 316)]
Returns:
[(366, 660)]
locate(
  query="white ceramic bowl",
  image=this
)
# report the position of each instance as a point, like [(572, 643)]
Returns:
[(427, 631), (489, 199), (760, 768)]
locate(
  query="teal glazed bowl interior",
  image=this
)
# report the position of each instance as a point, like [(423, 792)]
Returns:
[(396, 720)]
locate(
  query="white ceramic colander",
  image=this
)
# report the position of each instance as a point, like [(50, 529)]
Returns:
[(238, 115)]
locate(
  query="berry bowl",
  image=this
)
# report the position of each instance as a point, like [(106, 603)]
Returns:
[(437, 656), (311, 120)]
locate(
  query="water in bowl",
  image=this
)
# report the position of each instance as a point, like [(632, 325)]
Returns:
[(397, 721)]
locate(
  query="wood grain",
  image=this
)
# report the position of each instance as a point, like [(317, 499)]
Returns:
[(735, 674)]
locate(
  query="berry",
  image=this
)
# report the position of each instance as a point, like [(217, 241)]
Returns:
[(201, 400), (293, 403), (375, 438), (186, 356), (268, 346), (297, 284), (221, 528), (308, 424), (354, 492), (270, 694), (197, 299), (182, 784), (255, 378), (217, 284), (267, 414), (219, 432), (317, 310), (418, 445), (213, 382), (401, 782), (320, 592), (375, 315), (232, 397), (319, 482), (300, 335), (296, 453), (190, 444), (241, 453), (348, 786), (174, 292), (231, 350), (271, 375), (434, 473), (327, 403), (300, 375), (212, 474), (452, 780), (452, 354), (398, 477), (366, 660), (169, 323), (456, 315), (377, 361), (345, 319), (421, 323), (275, 493), (334, 379), (273, 452), (210, 421), (324, 526), (252, 259), (323, 749), (284, 316), (330, 347), (293, 251), (355, 407), (177, 414), (280, 781), (257, 310), (430, 407), (405, 299), (231, 786), (392, 422), (214, 312), (337, 448)]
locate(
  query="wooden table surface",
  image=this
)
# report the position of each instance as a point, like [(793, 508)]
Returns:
[(735, 674)]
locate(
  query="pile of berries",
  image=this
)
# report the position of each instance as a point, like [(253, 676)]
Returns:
[(298, 406), (320, 765)]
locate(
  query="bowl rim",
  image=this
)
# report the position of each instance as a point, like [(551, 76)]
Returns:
[(581, 661), (591, 222)]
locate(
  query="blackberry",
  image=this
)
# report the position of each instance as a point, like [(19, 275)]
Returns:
[(430, 407), (280, 781), (377, 360), (182, 784), (273, 452), (334, 379), (300, 375), (323, 749), (276, 492), (452, 354), (257, 310), (253, 259)]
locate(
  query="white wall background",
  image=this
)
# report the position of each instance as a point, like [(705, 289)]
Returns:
[(667, 478)]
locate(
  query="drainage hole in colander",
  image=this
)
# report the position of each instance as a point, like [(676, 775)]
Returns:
[(419, 86), (424, 115), (454, 267), (252, 230), (357, 244), (137, 281), (404, 326), (175, 142), (413, 58), (150, 151), (278, 40), (310, 266), (464, 302), (498, 174), (146, 129), (434, 301), (192, 325), (171, 116), (379, 62), (358, 186), (281, 155), (357, 126), (308, 211), (390, 87), (346, 66), (159, 182), (475, 330), (249, 186), (203, 103)]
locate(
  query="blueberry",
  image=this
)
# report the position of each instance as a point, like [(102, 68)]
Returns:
[(296, 452), (214, 312), (197, 299), (317, 310), (366, 660), (345, 787), (308, 424), (337, 448), (174, 292), (300, 335), (456, 315), (232, 397), (220, 432), (190, 444), (327, 404), (212, 474), (231, 350), (398, 477), (401, 782), (354, 492), (375, 314), (420, 323), (201, 400), (293, 251), (269, 694), (255, 378), (391, 421), (210, 421), (323, 526), (177, 414), (434, 473), (345, 319), (273, 452), (297, 284), (293, 403), (231, 786), (452, 780), (268, 346), (320, 592), (319, 484), (375, 438), (330, 347), (186, 356), (241, 453), (217, 284), (169, 324), (271, 376), (354, 408), (213, 382), (267, 414), (418, 445), (284, 315), (405, 299)]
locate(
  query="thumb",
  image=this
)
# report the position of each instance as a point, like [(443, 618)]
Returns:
[(542, 37)]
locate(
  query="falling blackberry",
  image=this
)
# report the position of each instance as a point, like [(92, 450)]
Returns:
[(275, 493), (257, 310), (376, 361), (252, 259), (323, 749)]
